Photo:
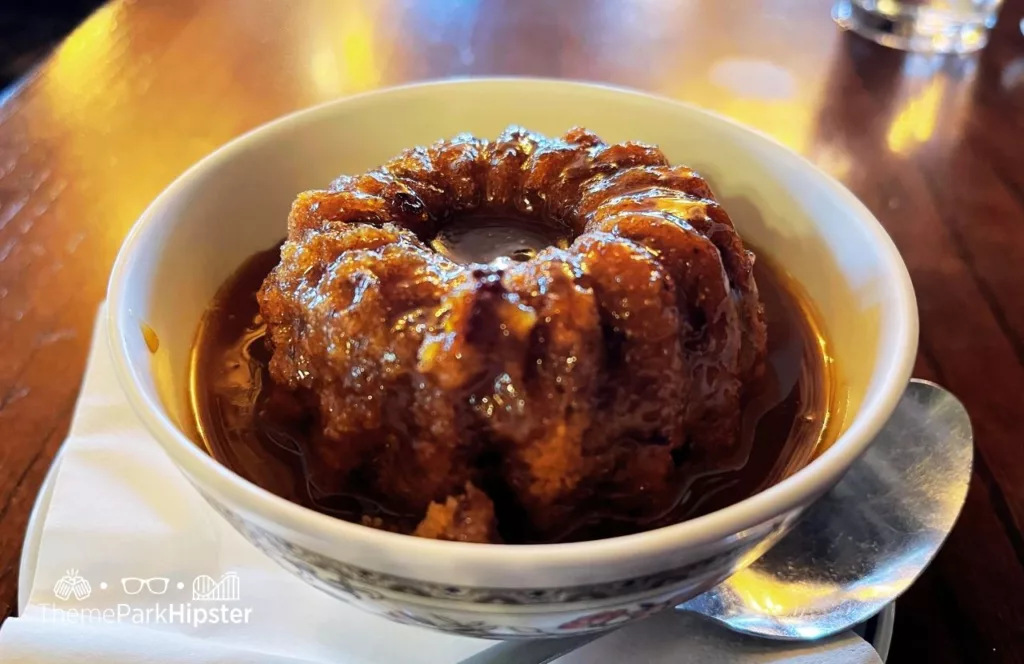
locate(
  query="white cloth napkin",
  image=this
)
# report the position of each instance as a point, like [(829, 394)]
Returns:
[(122, 514)]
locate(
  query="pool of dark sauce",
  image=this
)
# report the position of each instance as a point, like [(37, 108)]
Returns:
[(789, 416), (483, 238)]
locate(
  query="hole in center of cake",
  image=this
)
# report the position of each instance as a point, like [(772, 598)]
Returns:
[(484, 238)]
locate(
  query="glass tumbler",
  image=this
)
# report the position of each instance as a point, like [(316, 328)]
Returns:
[(929, 26)]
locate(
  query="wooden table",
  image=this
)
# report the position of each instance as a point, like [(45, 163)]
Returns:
[(935, 147)]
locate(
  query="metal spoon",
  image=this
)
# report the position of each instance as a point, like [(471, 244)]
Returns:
[(856, 549)]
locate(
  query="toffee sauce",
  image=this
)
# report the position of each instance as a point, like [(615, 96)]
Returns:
[(789, 416)]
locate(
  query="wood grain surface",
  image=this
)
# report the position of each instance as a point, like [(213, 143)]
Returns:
[(934, 146)]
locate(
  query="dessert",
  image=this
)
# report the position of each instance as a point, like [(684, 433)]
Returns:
[(582, 381)]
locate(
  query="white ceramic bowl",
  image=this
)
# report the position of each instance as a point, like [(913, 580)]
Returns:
[(235, 202)]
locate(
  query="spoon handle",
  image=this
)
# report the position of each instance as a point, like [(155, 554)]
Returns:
[(535, 651)]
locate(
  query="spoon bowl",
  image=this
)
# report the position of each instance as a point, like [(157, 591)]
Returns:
[(854, 551), (863, 544)]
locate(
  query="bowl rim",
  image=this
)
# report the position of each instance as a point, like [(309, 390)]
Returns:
[(790, 494)]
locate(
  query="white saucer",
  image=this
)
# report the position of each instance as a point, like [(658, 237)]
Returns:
[(877, 631)]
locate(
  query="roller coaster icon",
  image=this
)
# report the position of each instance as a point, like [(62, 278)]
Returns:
[(207, 589)]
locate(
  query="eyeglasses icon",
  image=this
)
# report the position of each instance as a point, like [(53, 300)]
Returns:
[(156, 586)]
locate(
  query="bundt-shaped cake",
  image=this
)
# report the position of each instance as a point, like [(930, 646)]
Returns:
[(515, 400)]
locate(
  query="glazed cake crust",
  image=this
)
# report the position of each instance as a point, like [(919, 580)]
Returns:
[(584, 384)]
